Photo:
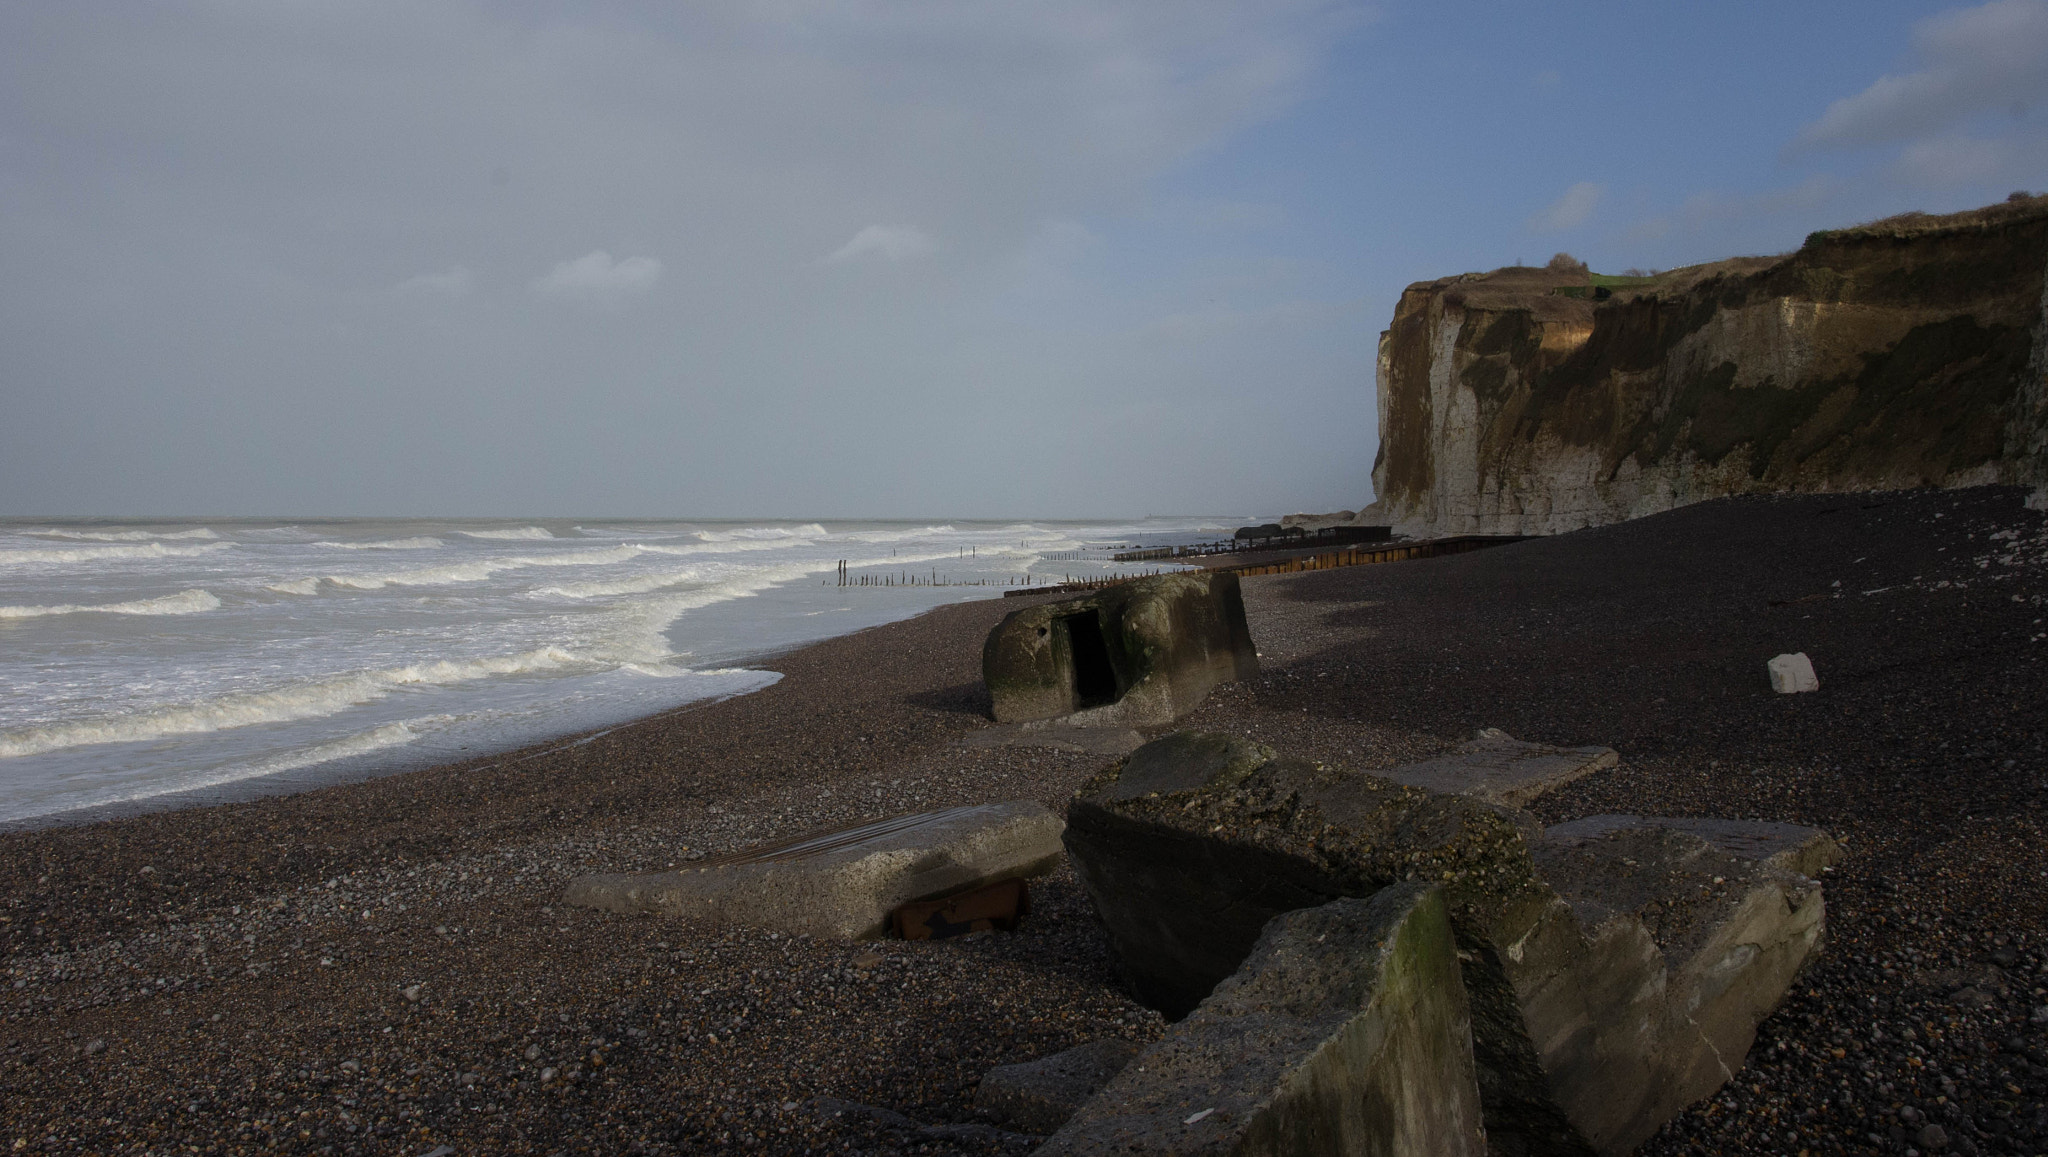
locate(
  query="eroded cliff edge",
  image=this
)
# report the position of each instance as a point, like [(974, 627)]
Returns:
[(1903, 353)]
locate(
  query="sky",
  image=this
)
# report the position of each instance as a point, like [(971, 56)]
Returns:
[(805, 258)]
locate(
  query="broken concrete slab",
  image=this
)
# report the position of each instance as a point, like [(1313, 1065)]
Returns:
[(1791, 674), (1787, 847), (1498, 768), (843, 883), (1044, 733), (1582, 1015), (1038, 1096), (1345, 1031), (1140, 652)]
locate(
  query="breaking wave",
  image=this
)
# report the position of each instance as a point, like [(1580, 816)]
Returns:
[(416, 542), (522, 532), (807, 530), (99, 553), (308, 700), (125, 535), (471, 572), (190, 602)]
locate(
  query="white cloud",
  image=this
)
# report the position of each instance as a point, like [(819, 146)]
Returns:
[(1990, 58), (1944, 162), (596, 278), (1568, 211), (895, 242), (457, 282)]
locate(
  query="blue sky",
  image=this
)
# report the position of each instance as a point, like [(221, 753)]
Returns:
[(838, 259)]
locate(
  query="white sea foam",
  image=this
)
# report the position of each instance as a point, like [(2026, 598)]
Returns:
[(190, 602), (125, 535), (730, 546), (416, 542), (304, 586), (100, 553), (311, 699), (526, 532), (872, 536), (637, 585), (483, 568), (808, 530)]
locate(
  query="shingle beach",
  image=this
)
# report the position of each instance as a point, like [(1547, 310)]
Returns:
[(386, 966)]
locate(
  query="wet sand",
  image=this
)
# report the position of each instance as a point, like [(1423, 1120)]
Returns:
[(383, 967)]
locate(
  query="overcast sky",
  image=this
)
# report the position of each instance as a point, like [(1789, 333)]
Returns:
[(875, 259)]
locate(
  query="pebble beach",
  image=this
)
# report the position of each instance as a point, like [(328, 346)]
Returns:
[(386, 967)]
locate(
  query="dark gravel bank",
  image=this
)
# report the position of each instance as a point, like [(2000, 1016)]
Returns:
[(382, 967)]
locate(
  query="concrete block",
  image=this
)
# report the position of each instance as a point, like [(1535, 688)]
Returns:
[(1136, 653), (1498, 768), (1606, 995), (1345, 1031), (843, 883), (1038, 1096), (1792, 673)]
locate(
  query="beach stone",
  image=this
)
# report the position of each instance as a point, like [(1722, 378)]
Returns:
[(1345, 1031), (1135, 653), (842, 883), (1498, 768), (1613, 978), (1038, 1096), (1792, 673)]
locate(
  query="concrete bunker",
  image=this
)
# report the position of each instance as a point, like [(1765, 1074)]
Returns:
[(1145, 651)]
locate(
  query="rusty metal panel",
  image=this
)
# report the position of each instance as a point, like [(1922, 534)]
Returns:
[(996, 907)]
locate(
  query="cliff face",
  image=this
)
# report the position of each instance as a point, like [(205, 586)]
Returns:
[(1904, 353)]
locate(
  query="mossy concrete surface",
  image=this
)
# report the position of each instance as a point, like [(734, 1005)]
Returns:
[(1345, 1031), (1141, 652), (1605, 994)]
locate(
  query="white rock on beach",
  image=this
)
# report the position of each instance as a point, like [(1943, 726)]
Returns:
[(1793, 673)]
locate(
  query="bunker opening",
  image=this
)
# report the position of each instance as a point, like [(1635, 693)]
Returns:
[(1094, 675)]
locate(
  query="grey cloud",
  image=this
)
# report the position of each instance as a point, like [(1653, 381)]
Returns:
[(259, 199)]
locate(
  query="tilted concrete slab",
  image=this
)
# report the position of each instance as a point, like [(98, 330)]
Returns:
[(1587, 991), (1787, 847), (1051, 733), (1146, 651), (1038, 1096), (1498, 768), (843, 883), (1345, 1031)]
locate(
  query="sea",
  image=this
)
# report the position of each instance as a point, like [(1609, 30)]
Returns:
[(152, 664)]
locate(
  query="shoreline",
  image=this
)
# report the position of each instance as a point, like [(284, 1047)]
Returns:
[(286, 931)]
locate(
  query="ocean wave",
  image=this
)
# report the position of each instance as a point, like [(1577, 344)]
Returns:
[(125, 535), (102, 553), (872, 536), (416, 542), (308, 700), (480, 569), (637, 585), (731, 546), (190, 602), (807, 530), (523, 532), (304, 586)]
